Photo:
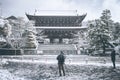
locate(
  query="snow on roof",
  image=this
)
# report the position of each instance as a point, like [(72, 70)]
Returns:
[(62, 20), (12, 17)]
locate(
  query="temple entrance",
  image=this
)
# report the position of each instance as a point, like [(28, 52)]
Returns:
[(56, 41), (58, 35)]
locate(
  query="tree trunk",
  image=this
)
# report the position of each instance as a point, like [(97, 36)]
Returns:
[(104, 49), (8, 42)]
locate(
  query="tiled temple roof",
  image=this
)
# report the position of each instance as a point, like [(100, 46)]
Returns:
[(67, 21)]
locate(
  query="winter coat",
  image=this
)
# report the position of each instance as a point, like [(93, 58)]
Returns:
[(61, 59)]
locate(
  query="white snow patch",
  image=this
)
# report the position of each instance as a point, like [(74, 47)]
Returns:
[(6, 75)]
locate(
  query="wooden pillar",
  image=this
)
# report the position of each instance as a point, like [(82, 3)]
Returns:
[(60, 40), (51, 40)]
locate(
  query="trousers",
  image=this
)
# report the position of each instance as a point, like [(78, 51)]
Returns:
[(61, 69)]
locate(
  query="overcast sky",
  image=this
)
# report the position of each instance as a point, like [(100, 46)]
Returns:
[(93, 8)]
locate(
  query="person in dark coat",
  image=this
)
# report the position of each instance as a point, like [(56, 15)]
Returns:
[(61, 60), (113, 57)]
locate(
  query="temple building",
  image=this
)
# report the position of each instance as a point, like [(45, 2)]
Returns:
[(61, 33), (58, 28)]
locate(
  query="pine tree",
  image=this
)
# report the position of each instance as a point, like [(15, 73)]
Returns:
[(29, 36), (100, 31)]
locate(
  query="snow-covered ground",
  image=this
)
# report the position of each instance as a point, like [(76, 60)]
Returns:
[(45, 67), (6, 75)]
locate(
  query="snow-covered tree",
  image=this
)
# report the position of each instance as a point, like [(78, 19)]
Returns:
[(29, 36), (116, 31), (107, 22), (18, 27), (100, 31), (5, 31), (40, 36)]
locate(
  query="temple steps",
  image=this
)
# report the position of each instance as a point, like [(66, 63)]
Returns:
[(56, 48)]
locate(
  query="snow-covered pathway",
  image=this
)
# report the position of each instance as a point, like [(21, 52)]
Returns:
[(70, 60), (107, 64)]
